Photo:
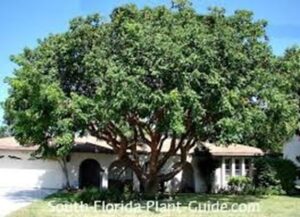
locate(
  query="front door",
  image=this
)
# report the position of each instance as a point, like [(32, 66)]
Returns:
[(89, 174)]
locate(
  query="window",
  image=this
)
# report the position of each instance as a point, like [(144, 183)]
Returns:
[(238, 171), (247, 166)]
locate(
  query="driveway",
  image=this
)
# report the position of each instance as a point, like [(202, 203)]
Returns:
[(12, 199)]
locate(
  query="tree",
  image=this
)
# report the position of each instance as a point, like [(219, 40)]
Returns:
[(288, 68), (4, 131), (154, 78)]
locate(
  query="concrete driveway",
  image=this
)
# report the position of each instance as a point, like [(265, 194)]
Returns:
[(12, 199)]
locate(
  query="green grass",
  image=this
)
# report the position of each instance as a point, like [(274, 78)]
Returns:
[(271, 206)]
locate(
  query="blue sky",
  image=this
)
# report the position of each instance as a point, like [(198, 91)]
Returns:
[(23, 22)]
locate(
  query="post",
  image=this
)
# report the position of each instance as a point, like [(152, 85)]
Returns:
[(104, 182), (232, 166), (223, 173), (217, 180), (243, 167)]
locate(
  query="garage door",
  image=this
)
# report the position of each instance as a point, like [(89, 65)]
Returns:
[(19, 170)]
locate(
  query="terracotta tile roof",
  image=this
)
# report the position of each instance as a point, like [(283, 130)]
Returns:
[(233, 150), (9, 143), (91, 144), (84, 144)]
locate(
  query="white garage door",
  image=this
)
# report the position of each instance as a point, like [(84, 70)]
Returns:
[(19, 170)]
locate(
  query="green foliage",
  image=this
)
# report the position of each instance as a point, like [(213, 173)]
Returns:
[(239, 183), (265, 174), (288, 66), (271, 190), (286, 173), (90, 195), (275, 173)]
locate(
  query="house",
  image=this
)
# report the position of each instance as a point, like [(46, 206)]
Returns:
[(291, 151), (92, 162)]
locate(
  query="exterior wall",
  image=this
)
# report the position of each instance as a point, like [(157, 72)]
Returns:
[(29, 173), (292, 149), (36, 173)]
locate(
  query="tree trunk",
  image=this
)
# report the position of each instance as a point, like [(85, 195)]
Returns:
[(63, 164), (151, 187)]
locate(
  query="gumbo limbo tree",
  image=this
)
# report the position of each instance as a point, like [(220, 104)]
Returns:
[(161, 78)]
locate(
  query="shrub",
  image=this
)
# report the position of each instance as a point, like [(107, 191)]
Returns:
[(238, 184), (271, 190), (275, 174), (129, 194), (286, 173), (265, 174), (90, 195)]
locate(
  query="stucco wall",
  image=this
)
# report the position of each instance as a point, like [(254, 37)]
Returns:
[(28, 173)]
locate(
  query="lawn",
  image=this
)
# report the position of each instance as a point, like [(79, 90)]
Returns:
[(182, 205)]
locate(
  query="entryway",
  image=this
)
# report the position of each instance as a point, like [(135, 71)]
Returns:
[(90, 174)]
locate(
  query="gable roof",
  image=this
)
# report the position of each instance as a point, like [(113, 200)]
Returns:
[(11, 144), (93, 145), (233, 150)]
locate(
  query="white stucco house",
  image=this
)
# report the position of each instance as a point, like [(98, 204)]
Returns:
[(92, 162)]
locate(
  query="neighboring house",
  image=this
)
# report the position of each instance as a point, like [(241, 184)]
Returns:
[(92, 162), (291, 151)]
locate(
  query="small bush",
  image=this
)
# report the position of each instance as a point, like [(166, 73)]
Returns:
[(239, 184), (129, 195), (271, 190), (90, 195)]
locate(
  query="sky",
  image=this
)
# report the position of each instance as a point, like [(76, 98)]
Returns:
[(23, 22)]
